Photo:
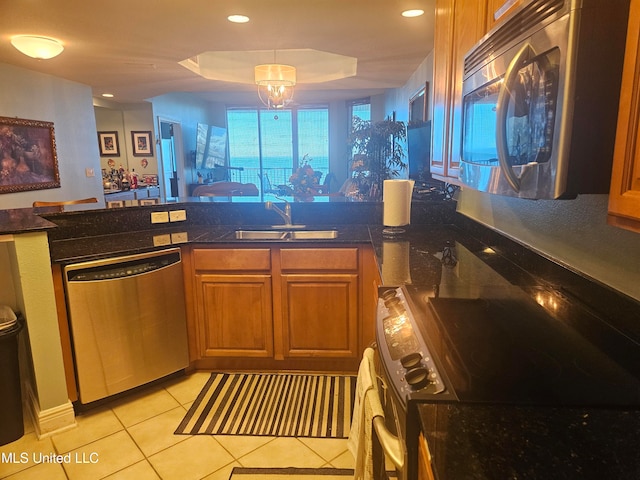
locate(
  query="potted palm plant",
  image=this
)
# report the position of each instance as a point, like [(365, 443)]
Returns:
[(378, 153)]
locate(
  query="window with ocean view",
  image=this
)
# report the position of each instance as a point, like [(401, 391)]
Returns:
[(274, 143)]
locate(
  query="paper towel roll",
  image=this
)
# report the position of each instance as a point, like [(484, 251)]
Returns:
[(396, 198)]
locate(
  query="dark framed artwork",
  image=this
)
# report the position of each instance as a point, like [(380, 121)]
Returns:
[(142, 145), (28, 155), (418, 104), (108, 142)]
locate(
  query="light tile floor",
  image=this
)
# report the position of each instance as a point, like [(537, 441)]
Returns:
[(132, 438)]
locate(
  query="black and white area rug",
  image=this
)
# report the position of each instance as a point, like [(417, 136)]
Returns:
[(284, 405)]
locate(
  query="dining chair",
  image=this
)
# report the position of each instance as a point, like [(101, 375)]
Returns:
[(58, 206), (65, 202)]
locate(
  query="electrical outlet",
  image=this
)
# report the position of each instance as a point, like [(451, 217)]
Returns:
[(161, 240), (89, 172), (177, 216), (159, 217), (179, 237)]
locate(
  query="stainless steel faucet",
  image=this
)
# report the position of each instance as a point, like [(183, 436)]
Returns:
[(286, 215)]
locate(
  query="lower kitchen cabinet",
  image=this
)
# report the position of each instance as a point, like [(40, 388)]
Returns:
[(425, 472), (280, 307)]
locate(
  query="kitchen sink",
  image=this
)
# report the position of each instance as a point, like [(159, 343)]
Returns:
[(286, 234), (313, 234), (261, 235)]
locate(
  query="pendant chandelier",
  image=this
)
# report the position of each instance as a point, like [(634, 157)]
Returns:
[(275, 84)]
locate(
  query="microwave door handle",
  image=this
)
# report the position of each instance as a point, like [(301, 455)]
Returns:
[(501, 115)]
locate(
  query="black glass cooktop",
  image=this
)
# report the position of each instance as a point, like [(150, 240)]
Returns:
[(511, 349)]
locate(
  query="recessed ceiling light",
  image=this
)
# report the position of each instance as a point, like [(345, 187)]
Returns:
[(107, 95), (412, 13), (238, 18)]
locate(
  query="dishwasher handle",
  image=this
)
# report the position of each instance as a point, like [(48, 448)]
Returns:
[(122, 267)]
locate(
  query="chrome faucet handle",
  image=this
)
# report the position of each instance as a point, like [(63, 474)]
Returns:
[(286, 215)]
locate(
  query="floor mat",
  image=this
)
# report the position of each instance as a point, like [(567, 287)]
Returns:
[(285, 405), (240, 473)]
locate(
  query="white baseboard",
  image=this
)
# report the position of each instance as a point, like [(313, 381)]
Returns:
[(50, 421)]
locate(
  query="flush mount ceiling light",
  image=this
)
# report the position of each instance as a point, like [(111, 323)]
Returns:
[(35, 46), (275, 84)]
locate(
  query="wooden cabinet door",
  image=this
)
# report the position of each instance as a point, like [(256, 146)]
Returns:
[(624, 196), (235, 315), (443, 31), (458, 26), (320, 315), (468, 29)]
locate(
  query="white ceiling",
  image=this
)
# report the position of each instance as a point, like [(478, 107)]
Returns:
[(131, 48)]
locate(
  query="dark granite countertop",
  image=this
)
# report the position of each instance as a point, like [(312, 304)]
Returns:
[(501, 442), (22, 220), (100, 246)]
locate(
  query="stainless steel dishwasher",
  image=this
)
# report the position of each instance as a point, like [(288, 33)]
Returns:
[(128, 321)]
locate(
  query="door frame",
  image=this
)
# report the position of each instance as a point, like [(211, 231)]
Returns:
[(179, 154)]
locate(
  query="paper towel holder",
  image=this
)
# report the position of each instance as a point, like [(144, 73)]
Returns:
[(397, 207), (393, 231)]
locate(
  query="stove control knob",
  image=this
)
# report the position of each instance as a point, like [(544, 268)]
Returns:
[(418, 378), (411, 360), (389, 294)]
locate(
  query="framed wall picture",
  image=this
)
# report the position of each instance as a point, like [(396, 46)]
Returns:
[(28, 158), (142, 144), (418, 104), (108, 143)]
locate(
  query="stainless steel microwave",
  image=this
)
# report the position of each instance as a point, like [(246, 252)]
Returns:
[(540, 100)]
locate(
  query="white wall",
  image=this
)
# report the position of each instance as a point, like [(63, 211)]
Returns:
[(188, 110), (34, 96)]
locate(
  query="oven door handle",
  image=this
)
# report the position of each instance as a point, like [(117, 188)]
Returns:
[(389, 442)]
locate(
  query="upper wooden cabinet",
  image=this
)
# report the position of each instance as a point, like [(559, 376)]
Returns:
[(624, 196), (458, 26)]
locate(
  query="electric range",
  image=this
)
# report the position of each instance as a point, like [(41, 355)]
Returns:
[(476, 337)]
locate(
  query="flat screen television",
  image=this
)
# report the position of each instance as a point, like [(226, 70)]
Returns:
[(419, 151)]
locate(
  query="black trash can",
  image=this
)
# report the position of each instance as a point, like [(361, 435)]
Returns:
[(11, 422)]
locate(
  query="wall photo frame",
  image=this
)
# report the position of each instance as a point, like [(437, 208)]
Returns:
[(108, 143), (142, 144), (28, 157)]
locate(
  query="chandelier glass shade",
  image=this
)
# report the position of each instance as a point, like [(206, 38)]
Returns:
[(42, 48), (275, 84)]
